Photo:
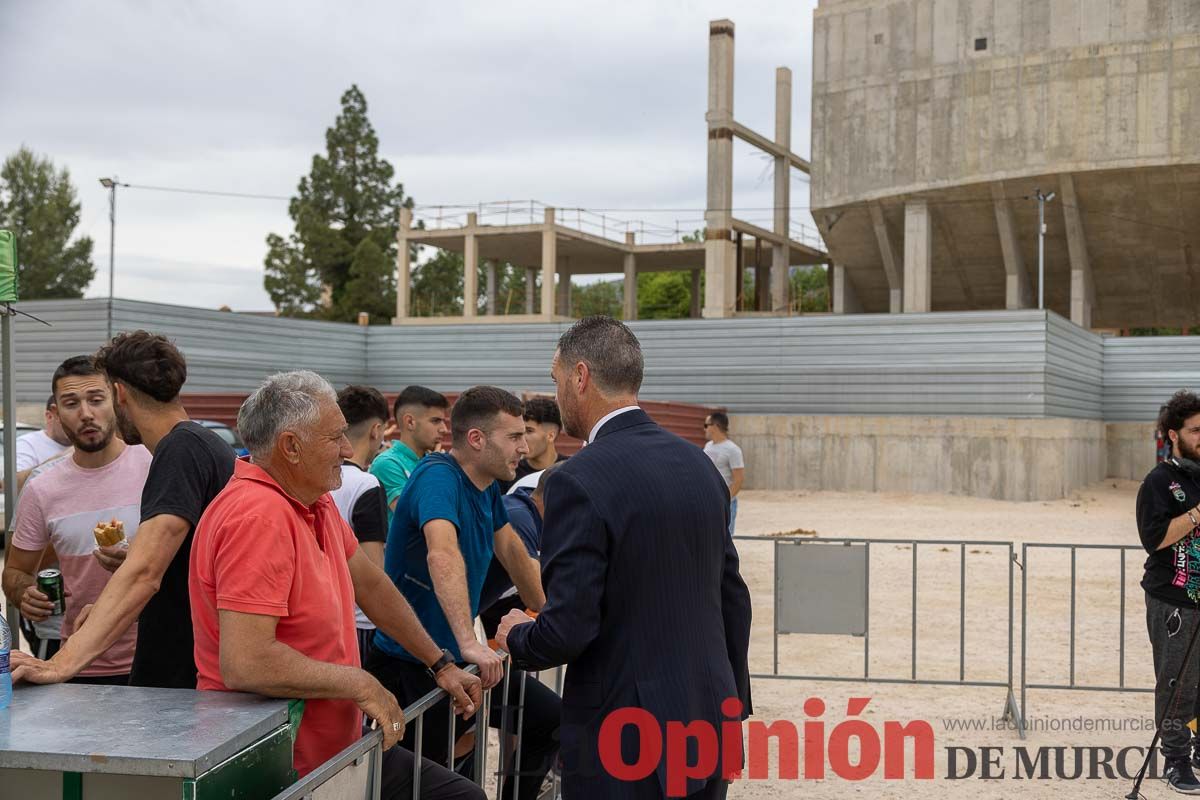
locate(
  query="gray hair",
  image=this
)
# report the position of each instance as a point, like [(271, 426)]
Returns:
[(611, 351), (284, 401)]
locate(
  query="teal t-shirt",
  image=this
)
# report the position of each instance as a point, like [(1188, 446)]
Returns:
[(439, 489), (393, 467)]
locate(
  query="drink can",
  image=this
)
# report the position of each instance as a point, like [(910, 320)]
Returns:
[(50, 583)]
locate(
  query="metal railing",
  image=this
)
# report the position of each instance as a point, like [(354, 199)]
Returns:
[(1011, 709), (369, 749), (1072, 683), (666, 230)]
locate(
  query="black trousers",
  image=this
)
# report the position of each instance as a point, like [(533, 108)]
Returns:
[(437, 782), (1170, 628), (409, 681)]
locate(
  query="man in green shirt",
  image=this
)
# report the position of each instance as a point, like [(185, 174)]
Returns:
[(421, 420)]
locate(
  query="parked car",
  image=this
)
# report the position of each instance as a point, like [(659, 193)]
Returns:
[(228, 434)]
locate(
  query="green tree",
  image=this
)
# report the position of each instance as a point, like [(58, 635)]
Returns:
[(347, 198), (810, 288), (665, 295), (437, 286), (369, 287), (39, 205), (600, 297)]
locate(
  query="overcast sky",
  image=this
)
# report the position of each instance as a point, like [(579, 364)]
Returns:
[(592, 104)]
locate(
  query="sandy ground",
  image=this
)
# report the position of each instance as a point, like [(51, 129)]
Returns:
[(1101, 514)]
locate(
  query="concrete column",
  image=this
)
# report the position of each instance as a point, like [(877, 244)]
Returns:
[(629, 298), (403, 265), (491, 288), (1017, 290), (780, 285), (918, 257), (470, 268), (720, 287), (549, 262), (783, 137), (892, 268), (762, 282), (739, 251), (845, 298), (530, 281), (1082, 291), (695, 309), (564, 288)]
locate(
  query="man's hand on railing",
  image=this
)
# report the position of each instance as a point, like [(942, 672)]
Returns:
[(464, 689), (380, 705), (491, 668)]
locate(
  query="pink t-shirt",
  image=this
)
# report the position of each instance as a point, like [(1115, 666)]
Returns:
[(61, 507)]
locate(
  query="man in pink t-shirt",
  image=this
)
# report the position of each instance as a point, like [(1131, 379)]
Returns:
[(100, 482)]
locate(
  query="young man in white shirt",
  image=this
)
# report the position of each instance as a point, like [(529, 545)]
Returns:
[(39, 447), (727, 456), (361, 499)]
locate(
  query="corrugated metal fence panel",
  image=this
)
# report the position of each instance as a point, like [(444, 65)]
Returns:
[(980, 363), (682, 419), (76, 327), (1074, 371), (1009, 364), (1142, 372), (234, 352)]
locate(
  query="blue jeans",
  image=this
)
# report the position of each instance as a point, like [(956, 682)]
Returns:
[(732, 514)]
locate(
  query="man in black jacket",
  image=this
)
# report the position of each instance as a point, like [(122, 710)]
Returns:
[(1168, 523), (644, 599)]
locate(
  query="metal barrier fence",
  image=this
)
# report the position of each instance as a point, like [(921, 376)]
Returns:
[(1073, 684), (849, 579), (365, 757)]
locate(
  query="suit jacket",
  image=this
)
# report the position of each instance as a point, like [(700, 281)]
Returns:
[(644, 600)]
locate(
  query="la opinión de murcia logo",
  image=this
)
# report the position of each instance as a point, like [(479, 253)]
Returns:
[(723, 749), (853, 750)]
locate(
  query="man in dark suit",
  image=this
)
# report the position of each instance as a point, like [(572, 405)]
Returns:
[(644, 599)]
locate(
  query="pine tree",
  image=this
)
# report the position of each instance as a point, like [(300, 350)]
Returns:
[(347, 198), (39, 205)]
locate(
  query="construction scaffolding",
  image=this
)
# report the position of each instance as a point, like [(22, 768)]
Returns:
[(557, 243)]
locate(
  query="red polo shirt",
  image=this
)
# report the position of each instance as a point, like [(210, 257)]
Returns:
[(258, 550)]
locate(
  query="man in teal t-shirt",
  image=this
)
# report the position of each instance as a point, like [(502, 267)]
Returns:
[(421, 415)]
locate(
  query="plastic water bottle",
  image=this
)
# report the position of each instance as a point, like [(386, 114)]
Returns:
[(5, 672)]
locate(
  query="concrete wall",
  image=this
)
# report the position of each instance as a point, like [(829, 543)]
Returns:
[(1130, 449), (1002, 459), (1095, 100), (903, 102)]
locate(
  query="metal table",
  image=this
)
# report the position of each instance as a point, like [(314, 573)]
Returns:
[(80, 742)]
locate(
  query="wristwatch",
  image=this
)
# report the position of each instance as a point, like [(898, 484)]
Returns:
[(1192, 517), (446, 660)]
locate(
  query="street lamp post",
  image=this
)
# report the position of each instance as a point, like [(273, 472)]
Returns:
[(1042, 200), (111, 184)]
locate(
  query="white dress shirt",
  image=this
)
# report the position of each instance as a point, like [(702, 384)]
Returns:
[(606, 418)]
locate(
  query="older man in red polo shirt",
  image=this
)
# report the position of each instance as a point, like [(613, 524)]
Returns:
[(275, 574)]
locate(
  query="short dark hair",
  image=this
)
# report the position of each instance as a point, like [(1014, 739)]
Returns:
[(360, 404), (543, 410), (720, 419), (73, 366), (146, 362), (611, 351), (476, 408), (1182, 406), (418, 396)]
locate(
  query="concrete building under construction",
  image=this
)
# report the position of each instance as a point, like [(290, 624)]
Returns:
[(936, 122)]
